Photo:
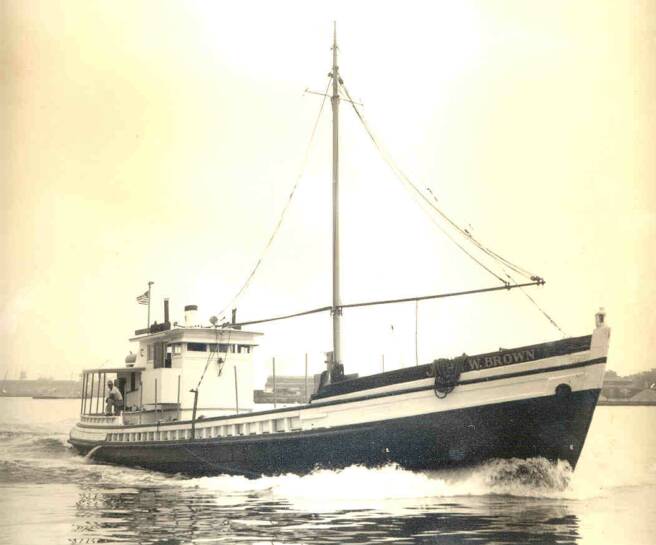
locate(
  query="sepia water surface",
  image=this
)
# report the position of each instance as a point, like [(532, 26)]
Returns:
[(51, 495)]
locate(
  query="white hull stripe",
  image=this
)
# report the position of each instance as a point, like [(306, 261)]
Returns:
[(422, 388), (408, 404), (401, 394), (490, 364), (534, 371)]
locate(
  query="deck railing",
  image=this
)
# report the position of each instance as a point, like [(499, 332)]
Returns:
[(102, 419), (257, 427)]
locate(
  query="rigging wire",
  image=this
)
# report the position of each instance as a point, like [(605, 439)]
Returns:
[(387, 158), (400, 174), (446, 234), (544, 312), (504, 262), (431, 217), (283, 317), (500, 259), (209, 359), (221, 364), (284, 210)]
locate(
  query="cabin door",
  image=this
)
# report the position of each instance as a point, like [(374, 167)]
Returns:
[(160, 355)]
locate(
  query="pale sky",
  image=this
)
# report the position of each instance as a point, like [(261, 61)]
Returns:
[(159, 140)]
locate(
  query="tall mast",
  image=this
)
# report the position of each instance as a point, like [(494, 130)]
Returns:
[(336, 307)]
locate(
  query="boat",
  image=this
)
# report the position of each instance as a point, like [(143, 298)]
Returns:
[(188, 394), (3, 390), (53, 396)]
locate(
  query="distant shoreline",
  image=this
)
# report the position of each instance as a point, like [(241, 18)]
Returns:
[(625, 403), (40, 396), (53, 397)]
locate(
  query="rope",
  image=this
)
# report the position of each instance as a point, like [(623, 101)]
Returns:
[(447, 374), (284, 210), (401, 175)]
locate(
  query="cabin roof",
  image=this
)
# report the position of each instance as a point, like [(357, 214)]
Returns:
[(178, 332)]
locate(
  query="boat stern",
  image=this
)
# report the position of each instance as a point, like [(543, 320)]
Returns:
[(91, 431)]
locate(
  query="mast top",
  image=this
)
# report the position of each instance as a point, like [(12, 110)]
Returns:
[(334, 74)]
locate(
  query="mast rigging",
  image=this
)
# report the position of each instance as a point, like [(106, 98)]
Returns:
[(507, 287), (337, 307)]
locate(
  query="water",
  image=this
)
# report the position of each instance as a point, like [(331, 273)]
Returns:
[(51, 495)]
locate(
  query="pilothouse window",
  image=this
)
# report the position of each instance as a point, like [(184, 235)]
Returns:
[(197, 347), (223, 347)]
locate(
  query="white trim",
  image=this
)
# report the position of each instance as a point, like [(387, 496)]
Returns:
[(553, 361), (371, 410)]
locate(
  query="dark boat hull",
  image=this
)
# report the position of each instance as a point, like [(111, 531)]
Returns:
[(553, 427)]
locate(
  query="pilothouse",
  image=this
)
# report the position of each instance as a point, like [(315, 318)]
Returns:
[(161, 382)]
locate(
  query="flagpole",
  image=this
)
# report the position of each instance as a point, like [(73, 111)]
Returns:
[(149, 284)]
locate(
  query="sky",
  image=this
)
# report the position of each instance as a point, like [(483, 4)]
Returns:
[(159, 141)]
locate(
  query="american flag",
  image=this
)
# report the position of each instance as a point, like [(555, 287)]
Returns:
[(144, 298)]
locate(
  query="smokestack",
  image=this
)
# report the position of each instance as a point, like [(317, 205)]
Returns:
[(234, 315), (190, 315), (166, 310)]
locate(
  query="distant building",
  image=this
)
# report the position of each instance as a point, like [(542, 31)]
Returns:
[(42, 387), (288, 389), (291, 384), (645, 396), (615, 387)]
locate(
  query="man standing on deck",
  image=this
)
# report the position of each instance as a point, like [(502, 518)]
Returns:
[(114, 399)]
